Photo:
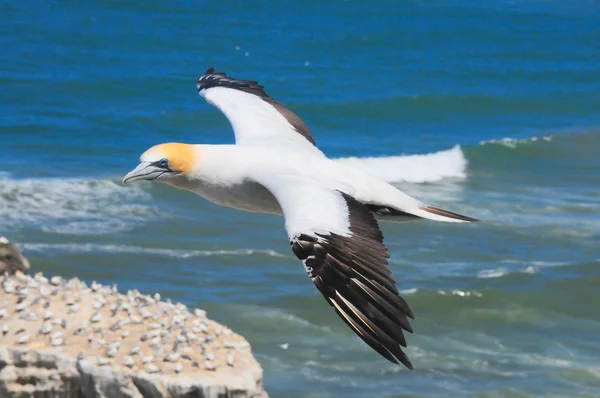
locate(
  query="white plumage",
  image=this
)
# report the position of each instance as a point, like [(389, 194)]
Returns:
[(254, 122), (330, 208)]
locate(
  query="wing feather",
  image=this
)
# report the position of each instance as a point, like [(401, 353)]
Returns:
[(347, 264), (256, 118)]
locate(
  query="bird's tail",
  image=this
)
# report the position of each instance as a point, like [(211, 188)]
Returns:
[(391, 203), (437, 214)]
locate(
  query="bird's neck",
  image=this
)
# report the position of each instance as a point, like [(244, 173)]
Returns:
[(222, 165)]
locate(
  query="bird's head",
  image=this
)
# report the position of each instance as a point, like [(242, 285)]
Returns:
[(163, 163)]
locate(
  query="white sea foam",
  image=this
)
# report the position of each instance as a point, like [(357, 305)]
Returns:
[(431, 167), (73, 205), (530, 270), (460, 293), (493, 273), (503, 271), (99, 248), (412, 290), (531, 267), (534, 268), (538, 359), (514, 142), (537, 263)]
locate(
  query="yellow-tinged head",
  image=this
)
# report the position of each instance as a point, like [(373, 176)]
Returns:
[(181, 157), (164, 161)]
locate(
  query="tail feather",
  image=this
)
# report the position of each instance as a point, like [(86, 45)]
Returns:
[(437, 214), (390, 204)]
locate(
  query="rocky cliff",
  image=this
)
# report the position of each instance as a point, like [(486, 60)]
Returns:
[(63, 338)]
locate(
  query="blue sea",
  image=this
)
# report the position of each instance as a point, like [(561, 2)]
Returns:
[(490, 109)]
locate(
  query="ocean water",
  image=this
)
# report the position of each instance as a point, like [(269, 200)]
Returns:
[(489, 108)]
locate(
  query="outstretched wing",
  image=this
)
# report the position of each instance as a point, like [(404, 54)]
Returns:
[(340, 244), (256, 118)]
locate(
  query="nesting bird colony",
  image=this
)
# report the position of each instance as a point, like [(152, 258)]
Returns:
[(97, 323)]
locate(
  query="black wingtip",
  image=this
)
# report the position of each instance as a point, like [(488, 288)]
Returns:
[(211, 79)]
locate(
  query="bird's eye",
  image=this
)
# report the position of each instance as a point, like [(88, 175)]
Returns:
[(164, 163)]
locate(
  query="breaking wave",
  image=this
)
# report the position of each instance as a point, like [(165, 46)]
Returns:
[(430, 167), (73, 205)]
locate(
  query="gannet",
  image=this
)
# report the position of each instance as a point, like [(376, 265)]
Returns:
[(330, 209)]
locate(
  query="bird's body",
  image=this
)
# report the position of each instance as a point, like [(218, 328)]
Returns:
[(330, 208), (233, 176), (237, 173), (228, 180)]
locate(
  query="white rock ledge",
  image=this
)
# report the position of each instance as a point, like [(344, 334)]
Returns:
[(64, 339)]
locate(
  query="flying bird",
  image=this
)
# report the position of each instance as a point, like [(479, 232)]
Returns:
[(330, 209)]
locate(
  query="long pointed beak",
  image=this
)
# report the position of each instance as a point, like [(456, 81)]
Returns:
[(144, 171)]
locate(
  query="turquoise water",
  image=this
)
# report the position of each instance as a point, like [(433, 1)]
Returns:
[(499, 99)]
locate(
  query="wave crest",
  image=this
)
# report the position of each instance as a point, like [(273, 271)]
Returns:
[(514, 142), (73, 205), (100, 248), (431, 167)]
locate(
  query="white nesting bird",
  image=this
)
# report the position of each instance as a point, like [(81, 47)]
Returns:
[(330, 209)]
